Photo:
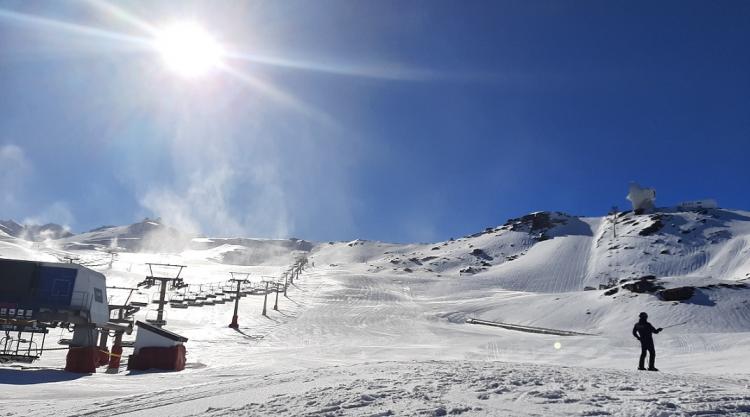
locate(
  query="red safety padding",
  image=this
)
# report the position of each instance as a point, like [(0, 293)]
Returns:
[(102, 356), (114, 358), (167, 359), (82, 360)]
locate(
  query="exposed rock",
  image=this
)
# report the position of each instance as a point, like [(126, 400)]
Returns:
[(653, 227), (612, 291), (481, 254), (471, 270), (646, 284), (676, 294)]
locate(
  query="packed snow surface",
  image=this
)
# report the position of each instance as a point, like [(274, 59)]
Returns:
[(377, 329)]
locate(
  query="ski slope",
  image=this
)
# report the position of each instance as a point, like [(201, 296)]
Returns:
[(361, 335)]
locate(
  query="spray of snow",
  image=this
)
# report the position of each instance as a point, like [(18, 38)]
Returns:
[(14, 169)]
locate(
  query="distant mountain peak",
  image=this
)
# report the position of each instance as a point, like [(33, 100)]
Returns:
[(34, 232)]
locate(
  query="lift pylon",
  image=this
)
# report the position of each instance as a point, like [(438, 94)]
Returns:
[(174, 281), (238, 278)]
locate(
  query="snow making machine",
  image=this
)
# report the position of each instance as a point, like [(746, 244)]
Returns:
[(36, 296)]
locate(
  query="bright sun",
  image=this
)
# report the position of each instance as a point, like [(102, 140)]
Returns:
[(188, 49)]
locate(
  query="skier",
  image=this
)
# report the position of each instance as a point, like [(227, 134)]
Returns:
[(643, 331)]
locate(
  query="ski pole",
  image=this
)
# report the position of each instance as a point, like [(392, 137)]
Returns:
[(674, 325)]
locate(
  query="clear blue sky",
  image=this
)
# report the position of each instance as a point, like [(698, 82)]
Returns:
[(390, 120)]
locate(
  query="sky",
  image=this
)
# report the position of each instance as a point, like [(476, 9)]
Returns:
[(400, 121)]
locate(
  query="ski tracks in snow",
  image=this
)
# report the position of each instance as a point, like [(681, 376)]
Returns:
[(436, 388)]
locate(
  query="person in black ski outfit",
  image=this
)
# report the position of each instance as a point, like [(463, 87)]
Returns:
[(643, 331)]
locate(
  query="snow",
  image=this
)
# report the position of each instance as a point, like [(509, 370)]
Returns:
[(360, 335)]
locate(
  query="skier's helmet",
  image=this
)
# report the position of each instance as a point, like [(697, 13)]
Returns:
[(643, 315)]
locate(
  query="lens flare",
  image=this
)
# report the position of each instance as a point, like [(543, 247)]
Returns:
[(188, 49)]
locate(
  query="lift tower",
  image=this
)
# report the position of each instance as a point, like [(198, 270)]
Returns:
[(239, 278), (174, 282)]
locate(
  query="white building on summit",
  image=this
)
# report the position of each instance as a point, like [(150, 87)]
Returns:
[(641, 198)]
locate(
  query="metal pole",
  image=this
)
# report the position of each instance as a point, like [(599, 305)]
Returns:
[(7, 339), (285, 283), (162, 297), (234, 324), (276, 304), (265, 297)]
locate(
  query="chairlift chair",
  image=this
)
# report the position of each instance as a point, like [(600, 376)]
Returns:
[(177, 301), (202, 295), (16, 347), (156, 298), (151, 318), (139, 300), (246, 289)]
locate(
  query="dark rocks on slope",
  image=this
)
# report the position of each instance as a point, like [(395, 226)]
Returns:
[(534, 222), (612, 291), (676, 294), (644, 285), (653, 227), (479, 253)]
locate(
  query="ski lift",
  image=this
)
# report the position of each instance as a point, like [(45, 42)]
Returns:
[(177, 298), (152, 317), (140, 299), (202, 295), (17, 348), (218, 290), (177, 301), (156, 298)]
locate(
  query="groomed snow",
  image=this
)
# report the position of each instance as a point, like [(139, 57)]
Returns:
[(359, 335)]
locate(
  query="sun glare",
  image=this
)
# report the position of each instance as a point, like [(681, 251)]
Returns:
[(188, 49)]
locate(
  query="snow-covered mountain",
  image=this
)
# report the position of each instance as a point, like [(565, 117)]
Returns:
[(387, 311), (555, 252), (34, 232), (545, 252)]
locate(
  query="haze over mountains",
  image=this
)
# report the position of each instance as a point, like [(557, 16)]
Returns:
[(586, 251)]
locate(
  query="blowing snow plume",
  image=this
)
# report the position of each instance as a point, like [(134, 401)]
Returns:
[(262, 178)]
